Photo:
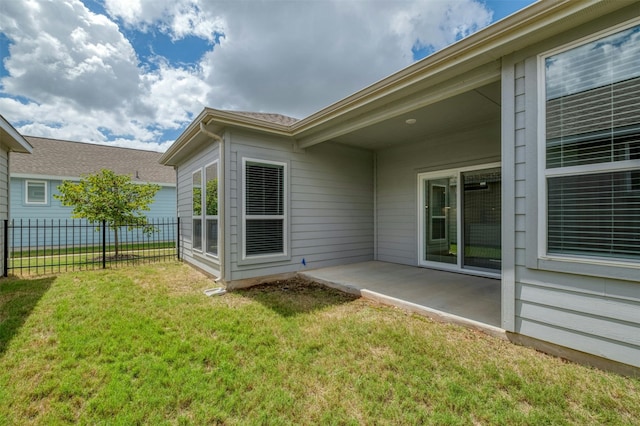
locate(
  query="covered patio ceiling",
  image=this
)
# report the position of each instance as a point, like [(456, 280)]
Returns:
[(465, 111)]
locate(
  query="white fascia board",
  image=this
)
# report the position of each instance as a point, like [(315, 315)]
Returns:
[(12, 138)]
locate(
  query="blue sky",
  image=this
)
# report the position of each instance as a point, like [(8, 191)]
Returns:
[(136, 72)]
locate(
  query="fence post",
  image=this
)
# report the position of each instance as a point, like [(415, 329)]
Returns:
[(178, 240), (104, 245), (6, 248)]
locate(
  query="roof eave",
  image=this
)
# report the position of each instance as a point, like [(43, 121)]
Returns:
[(221, 119), (14, 141), (490, 43)]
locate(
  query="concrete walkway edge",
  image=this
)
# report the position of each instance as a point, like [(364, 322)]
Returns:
[(434, 314)]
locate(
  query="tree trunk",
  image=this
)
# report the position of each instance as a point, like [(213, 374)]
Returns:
[(115, 233)]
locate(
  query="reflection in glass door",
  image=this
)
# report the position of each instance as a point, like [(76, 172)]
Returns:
[(481, 198), (460, 225), (440, 216)]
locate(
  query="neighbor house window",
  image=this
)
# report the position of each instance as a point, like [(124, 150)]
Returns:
[(36, 192), (197, 210), (211, 207), (592, 147), (264, 208)]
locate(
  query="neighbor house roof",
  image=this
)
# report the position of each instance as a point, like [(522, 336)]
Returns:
[(12, 139), (53, 158), (422, 83)]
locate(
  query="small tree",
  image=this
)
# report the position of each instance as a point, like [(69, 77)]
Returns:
[(106, 196)]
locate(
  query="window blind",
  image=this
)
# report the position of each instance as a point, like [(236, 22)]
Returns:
[(264, 208), (264, 236), (592, 110), (597, 126), (595, 214), (212, 236), (264, 189), (593, 102)]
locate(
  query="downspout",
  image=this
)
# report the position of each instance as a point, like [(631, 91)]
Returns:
[(178, 244), (221, 196)]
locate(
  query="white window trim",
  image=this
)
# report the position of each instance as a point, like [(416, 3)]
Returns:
[(457, 267), (591, 265), (284, 217), (201, 217), (204, 208), (26, 193)]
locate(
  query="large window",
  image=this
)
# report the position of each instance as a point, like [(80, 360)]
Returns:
[(36, 192), (196, 193), (592, 147), (264, 208), (211, 207)]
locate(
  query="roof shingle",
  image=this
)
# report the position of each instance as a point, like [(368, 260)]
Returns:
[(59, 158), (283, 120)]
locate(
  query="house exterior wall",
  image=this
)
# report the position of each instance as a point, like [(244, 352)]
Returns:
[(585, 307), (330, 209), (164, 205), (396, 183), (208, 152), (29, 219), (4, 196)]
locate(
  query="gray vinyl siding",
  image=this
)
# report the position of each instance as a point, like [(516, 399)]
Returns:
[(4, 197), (206, 155), (573, 305), (330, 207), (397, 171)]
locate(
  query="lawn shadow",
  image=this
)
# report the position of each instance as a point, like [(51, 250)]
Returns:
[(18, 297), (296, 296)]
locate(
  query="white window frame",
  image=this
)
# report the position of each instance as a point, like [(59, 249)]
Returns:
[(201, 216), (206, 216), (588, 265), (26, 193), (247, 259)]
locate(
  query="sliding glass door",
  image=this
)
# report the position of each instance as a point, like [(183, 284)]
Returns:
[(460, 222)]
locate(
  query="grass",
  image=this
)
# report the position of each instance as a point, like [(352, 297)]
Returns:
[(144, 346), (83, 249), (60, 262)]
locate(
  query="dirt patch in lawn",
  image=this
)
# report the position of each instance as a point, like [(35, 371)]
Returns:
[(295, 296)]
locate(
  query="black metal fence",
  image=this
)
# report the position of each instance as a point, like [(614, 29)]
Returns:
[(46, 246)]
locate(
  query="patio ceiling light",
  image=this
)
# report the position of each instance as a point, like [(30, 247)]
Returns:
[(410, 121)]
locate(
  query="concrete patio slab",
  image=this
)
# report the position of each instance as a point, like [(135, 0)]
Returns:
[(449, 297)]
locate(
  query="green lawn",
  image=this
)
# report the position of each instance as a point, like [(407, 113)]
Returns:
[(143, 345), (90, 258)]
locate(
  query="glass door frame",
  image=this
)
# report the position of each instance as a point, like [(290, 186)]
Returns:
[(423, 178)]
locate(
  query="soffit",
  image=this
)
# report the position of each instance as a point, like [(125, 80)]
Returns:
[(480, 50), (467, 110)]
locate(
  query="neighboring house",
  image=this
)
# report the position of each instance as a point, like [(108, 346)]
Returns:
[(35, 178), (514, 153), (10, 141)]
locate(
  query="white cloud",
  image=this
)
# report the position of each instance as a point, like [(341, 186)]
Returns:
[(78, 77), (177, 18), (175, 93), (297, 57)]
